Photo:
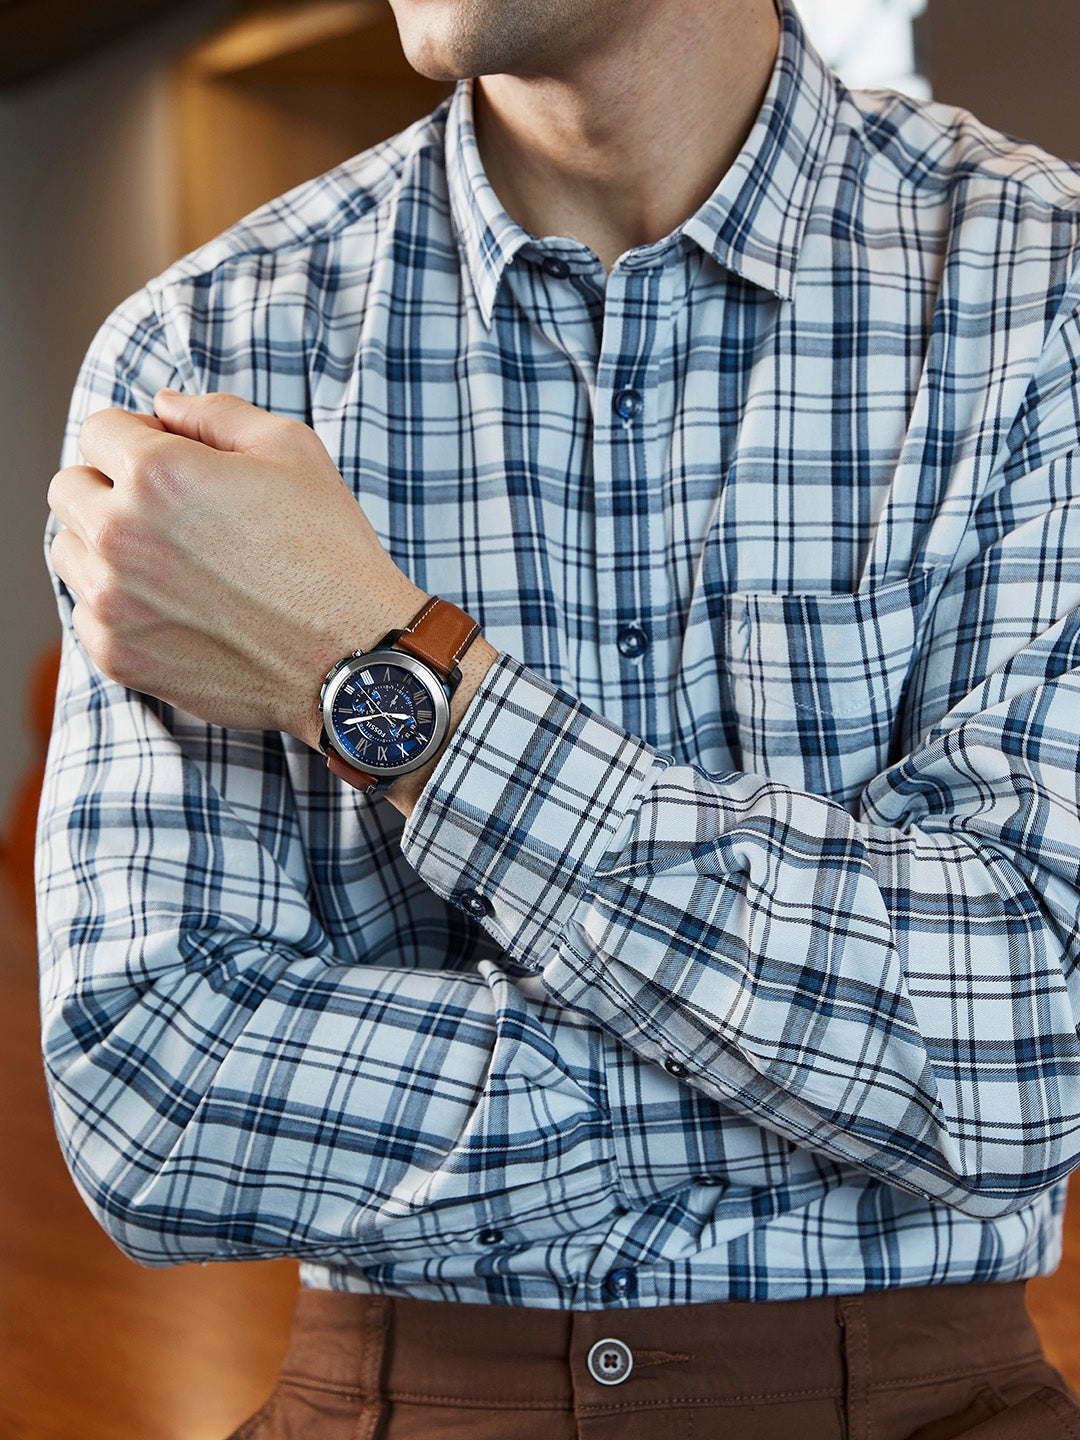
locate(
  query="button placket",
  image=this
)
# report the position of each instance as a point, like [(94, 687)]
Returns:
[(530, 494), (629, 455)]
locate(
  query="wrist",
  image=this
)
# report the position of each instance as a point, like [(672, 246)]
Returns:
[(475, 664), (345, 635)]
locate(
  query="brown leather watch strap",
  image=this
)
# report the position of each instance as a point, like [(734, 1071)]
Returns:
[(439, 634), (354, 776)]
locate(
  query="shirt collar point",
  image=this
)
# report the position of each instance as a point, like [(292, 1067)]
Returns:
[(489, 240), (754, 222)]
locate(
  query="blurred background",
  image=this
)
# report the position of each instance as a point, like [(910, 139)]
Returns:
[(130, 132)]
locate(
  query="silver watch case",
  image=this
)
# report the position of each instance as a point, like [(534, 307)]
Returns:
[(440, 702)]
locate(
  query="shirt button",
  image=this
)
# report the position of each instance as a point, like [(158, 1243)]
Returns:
[(557, 269), (620, 1283), (673, 1067), (475, 903), (609, 1362), (627, 403), (490, 1237), (632, 642)]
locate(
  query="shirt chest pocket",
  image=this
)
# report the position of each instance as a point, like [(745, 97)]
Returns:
[(816, 682)]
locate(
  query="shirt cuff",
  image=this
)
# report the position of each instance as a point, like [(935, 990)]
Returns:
[(532, 791)]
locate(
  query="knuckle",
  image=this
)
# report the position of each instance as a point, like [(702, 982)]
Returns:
[(213, 401), (111, 536), (92, 427), (117, 658), (62, 558), (108, 654), (294, 435), (93, 639), (302, 429), (154, 472), (108, 601), (88, 429), (304, 434)]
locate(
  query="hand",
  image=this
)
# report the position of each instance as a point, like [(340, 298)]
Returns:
[(375, 715), (219, 560)]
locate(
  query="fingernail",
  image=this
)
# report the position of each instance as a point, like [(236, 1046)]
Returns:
[(165, 390)]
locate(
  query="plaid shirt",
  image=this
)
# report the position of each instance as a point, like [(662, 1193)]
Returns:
[(731, 951)]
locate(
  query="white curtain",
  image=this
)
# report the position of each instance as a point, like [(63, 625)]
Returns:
[(868, 42)]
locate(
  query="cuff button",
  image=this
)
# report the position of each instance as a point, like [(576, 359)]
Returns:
[(474, 903)]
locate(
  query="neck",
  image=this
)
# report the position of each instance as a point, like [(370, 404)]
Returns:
[(623, 144)]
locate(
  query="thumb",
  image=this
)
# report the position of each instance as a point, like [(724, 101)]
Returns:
[(224, 422)]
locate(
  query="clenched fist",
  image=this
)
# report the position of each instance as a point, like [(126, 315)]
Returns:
[(219, 560)]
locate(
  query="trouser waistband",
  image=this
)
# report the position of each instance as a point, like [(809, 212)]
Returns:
[(727, 1353)]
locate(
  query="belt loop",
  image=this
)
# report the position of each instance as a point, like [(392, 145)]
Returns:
[(375, 1353), (857, 1365)]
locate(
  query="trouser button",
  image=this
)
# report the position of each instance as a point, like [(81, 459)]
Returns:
[(610, 1362)]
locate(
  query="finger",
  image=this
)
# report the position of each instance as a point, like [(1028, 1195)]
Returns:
[(74, 495), (223, 421), (71, 559), (94, 639), (102, 614), (118, 442)]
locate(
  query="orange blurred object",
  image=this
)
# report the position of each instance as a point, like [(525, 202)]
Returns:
[(17, 842)]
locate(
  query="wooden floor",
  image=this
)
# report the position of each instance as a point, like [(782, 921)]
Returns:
[(92, 1347)]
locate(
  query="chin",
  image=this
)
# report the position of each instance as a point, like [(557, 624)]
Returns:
[(458, 39), (434, 35)]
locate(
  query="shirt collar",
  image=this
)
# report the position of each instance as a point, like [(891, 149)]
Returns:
[(488, 238), (752, 223)]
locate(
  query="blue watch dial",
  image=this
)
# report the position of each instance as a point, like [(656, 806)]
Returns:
[(383, 716)]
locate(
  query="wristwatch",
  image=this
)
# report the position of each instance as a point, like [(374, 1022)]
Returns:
[(386, 711)]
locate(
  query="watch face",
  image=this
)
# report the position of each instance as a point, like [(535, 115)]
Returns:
[(382, 715)]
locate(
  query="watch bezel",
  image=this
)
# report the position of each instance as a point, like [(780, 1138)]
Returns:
[(348, 667)]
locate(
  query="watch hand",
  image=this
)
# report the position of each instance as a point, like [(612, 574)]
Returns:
[(374, 715)]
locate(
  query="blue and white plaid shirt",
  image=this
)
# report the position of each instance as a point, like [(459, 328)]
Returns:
[(731, 953)]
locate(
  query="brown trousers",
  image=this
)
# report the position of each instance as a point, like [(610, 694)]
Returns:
[(917, 1364)]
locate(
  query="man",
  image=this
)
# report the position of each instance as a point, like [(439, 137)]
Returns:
[(701, 1055)]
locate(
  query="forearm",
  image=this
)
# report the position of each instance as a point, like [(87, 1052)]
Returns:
[(809, 970), (292, 1126), (232, 1075)]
